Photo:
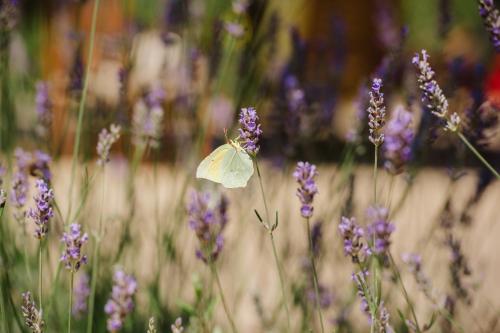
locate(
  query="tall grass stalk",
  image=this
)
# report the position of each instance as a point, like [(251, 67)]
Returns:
[(81, 108), (95, 256), (315, 275), (275, 253), (223, 299), (478, 155)]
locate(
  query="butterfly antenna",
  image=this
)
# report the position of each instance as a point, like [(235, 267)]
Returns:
[(225, 134)]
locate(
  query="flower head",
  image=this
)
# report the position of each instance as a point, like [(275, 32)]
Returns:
[(81, 292), (376, 113), (32, 316), (176, 327), (121, 302), (40, 167), (398, 140), (432, 95), (147, 119), (106, 140), (304, 174), (352, 234), (249, 130), (207, 219), (72, 256), (380, 229), (491, 20), (42, 213), (43, 108)]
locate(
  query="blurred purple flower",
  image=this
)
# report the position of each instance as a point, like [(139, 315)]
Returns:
[(491, 20), (398, 139), (105, 141), (76, 74), (359, 279), (207, 221), (121, 302), (376, 113), (43, 108), (147, 119), (72, 256), (42, 213), (81, 292), (40, 166), (249, 130), (9, 14), (380, 229), (20, 185), (304, 174)]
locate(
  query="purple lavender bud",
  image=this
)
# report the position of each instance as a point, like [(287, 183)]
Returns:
[(249, 130), (380, 229), (105, 141), (376, 113), (42, 213), (40, 166), (32, 316), (9, 14), (121, 302), (359, 279), (147, 119), (491, 20), (352, 234), (72, 256), (432, 95), (76, 74), (81, 292), (398, 139), (234, 29), (43, 108), (207, 219), (304, 174)]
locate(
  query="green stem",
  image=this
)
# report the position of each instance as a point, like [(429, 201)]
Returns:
[(405, 293), (40, 276), (375, 166), (95, 257), (478, 155), (315, 275), (223, 299), (275, 253), (76, 147), (70, 299)]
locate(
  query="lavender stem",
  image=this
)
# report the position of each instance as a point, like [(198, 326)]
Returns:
[(95, 256), (315, 274), (223, 299), (275, 253), (81, 108), (40, 275), (70, 299), (405, 293), (478, 155)]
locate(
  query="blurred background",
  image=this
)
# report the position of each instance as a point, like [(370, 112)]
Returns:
[(304, 65)]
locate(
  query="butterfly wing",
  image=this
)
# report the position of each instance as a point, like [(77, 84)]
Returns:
[(212, 166), (228, 165), (238, 169)]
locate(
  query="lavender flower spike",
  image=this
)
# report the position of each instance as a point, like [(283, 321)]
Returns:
[(398, 140), (177, 327), (380, 229), (250, 131), (353, 238), (208, 221), (304, 174), (19, 190), (432, 95), (106, 140), (81, 292), (43, 212), (43, 108), (121, 301), (32, 316), (491, 20), (376, 113), (147, 119), (72, 256)]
